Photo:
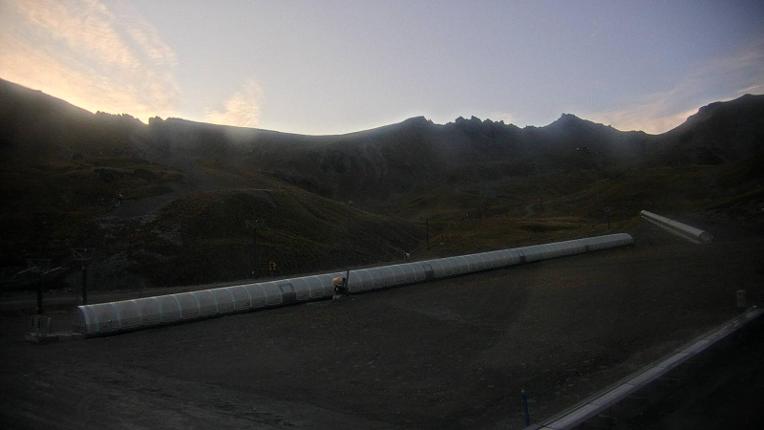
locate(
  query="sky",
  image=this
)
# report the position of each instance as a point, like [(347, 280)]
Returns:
[(329, 67)]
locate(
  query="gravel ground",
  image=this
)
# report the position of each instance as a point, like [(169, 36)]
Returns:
[(447, 354)]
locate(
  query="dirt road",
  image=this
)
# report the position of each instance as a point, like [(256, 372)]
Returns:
[(447, 354)]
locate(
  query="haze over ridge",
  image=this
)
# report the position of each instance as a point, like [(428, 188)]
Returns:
[(362, 65), (562, 118)]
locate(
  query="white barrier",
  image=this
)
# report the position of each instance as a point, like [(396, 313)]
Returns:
[(375, 278), (596, 404), (113, 317), (125, 315), (686, 231)]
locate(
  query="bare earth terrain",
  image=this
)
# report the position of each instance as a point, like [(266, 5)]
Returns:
[(447, 354)]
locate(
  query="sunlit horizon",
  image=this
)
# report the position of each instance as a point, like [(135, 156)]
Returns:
[(341, 67)]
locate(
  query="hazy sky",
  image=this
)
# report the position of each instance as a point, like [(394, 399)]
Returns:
[(336, 66)]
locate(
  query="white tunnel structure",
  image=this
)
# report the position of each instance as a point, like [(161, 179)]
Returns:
[(125, 315), (687, 231), (375, 278)]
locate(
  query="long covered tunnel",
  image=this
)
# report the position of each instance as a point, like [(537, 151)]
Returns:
[(125, 315)]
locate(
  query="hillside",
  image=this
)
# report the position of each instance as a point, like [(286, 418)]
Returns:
[(175, 201)]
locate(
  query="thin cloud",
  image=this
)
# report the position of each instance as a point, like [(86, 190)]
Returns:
[(242, 109), (753, 89), (150, 43), (82, 51), (724, 78)]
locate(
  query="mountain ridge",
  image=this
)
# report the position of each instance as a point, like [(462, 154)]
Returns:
[(177, 193), (372, 164), (419, 119)]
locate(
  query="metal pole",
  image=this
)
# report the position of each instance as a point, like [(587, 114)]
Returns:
[(608, 211), (251, 224), (84, 284), (40, 310), (84, 256), (427, 232), (39, 266), (254, 246), (524, 401)]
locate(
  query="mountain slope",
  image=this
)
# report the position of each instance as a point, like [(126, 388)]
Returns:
[(718, 133), (180, 194)]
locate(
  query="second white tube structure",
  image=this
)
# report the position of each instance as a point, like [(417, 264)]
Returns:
[(687, 231), (125, 315)]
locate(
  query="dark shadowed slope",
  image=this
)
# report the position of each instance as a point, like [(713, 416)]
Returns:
[(718, 133), (178, 194), (375, 163)]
